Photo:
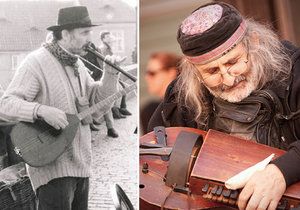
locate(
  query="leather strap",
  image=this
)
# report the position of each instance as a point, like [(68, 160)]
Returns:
[(160, 134), (187, 145)]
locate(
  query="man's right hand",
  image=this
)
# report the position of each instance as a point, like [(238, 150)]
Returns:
[(53, 116)]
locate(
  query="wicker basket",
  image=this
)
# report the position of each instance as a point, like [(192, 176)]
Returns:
[(16, 194)]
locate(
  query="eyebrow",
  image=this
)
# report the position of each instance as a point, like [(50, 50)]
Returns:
[(86, 30), (237, 57), (234, 59)]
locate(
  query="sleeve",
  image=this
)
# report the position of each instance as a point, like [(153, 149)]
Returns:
[(167, 113), (145, 114), (156, 119), (100, 90), (17, 102), (289, 163), (108, 85)]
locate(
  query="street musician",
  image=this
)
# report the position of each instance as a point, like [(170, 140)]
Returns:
[(239, 78)]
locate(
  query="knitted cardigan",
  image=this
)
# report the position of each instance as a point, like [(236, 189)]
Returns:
[(41, 79)]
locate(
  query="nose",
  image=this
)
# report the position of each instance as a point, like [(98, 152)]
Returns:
[(228, 80), (89, 36), (89, 39)]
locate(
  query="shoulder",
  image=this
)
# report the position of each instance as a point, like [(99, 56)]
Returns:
[(31, 61), (149, 108), (294, 53), (171, 92), (38, 56), (292, 50)]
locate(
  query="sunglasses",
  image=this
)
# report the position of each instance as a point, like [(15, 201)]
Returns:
[(153, 73)]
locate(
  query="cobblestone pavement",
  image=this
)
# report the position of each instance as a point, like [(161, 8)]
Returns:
[(115, 160)]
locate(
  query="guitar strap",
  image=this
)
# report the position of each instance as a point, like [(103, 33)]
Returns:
[(80, 86), (183, 156), (81, 102)]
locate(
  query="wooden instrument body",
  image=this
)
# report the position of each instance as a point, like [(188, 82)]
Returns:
[(154, 194), (39, 143), (223, 156)]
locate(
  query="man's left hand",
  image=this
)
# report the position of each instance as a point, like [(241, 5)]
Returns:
[(263, 190), (114, 60)]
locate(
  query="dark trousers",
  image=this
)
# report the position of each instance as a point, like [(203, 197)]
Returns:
[(67, 193), (123, 100)]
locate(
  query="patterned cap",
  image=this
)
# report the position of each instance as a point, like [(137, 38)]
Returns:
[(210, 32)]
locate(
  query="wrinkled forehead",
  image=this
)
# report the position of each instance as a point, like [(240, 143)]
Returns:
[(234, 53)]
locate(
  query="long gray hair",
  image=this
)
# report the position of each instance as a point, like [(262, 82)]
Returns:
[(270, 59)]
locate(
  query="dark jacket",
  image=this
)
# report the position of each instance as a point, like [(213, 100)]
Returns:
[(171, 114), (96, 73)]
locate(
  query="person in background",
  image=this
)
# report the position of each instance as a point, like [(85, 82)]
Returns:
[(162, 69), (3, 143), (46, 86), (1, 90), (96, 74), (106, 49), (235, 67)]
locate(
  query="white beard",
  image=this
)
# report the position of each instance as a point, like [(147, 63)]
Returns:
[(237, 94)]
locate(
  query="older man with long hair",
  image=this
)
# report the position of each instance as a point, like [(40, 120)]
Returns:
[(234, 66)]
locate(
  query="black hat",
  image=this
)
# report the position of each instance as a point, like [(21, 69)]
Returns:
[(210, 31), (72, 17)]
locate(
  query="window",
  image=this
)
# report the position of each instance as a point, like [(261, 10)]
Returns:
[(16, 60)]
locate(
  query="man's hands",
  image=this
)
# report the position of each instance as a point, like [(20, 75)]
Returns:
[(53, 116), (263, 190)]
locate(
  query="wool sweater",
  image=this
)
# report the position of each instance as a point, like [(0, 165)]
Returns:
[(41, 79)]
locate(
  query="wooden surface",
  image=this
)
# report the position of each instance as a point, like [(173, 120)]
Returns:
[(223, 156), (153, 191), (39, 143)]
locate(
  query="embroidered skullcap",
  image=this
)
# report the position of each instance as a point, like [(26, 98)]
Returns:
[(210, 32)]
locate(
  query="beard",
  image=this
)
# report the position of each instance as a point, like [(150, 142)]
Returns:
[(243, 86), (78, 48), (78, 51)]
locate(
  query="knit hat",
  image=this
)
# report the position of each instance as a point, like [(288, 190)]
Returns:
[(210, 32)]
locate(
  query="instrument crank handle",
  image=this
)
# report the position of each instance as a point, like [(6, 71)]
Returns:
[(166, 151), (150, 145)]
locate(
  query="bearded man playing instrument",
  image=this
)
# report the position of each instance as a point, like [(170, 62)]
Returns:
[(238, 78)]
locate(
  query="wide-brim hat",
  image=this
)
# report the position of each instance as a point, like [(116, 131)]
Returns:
[(72, 17)]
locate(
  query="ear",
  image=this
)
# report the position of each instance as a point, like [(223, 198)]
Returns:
[(65, 34)]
